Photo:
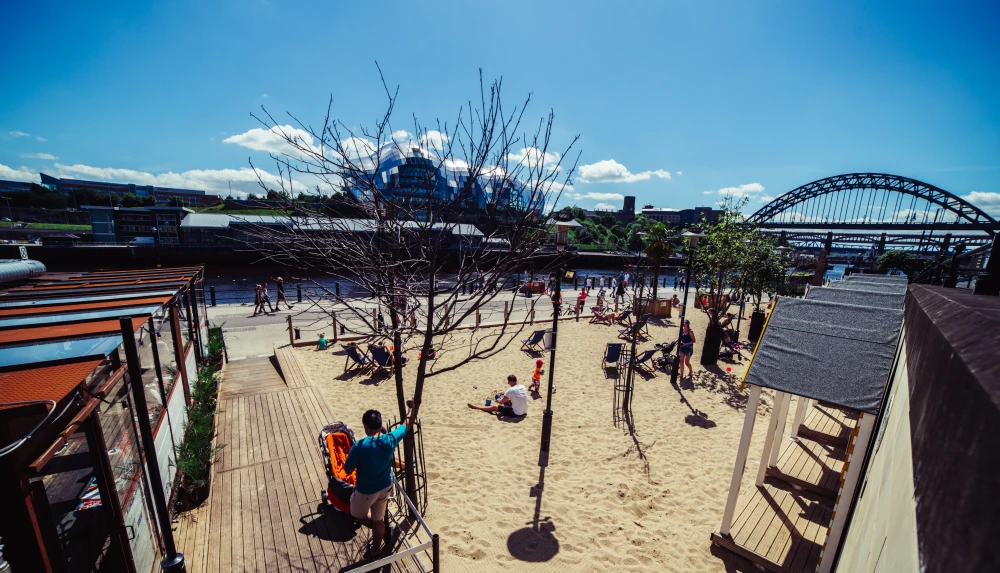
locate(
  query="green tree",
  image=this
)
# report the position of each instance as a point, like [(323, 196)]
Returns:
[(897, 260), (659, 246), (763, 268), (719, 259)]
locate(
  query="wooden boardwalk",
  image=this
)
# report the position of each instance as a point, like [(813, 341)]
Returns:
[(262, 512), (777, 529), (826, 423), (811, 465)]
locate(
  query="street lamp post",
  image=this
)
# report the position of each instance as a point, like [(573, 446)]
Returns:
[(562, 233), (692, 243)]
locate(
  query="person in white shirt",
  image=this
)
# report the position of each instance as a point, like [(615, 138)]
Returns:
[(514, 401), (590, 284)]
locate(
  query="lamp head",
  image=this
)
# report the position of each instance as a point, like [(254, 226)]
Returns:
[(693, 237)]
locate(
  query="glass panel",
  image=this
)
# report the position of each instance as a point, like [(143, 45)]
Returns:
[(70, 316), (165, 347), (73, 348), (120, 296)]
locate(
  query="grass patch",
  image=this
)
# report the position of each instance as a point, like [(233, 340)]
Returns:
[(56, 227), (221, 210)]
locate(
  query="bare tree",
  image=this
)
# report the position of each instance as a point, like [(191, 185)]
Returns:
[(444, 212)]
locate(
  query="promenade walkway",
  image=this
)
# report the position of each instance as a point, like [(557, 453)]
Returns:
[(262, 512)]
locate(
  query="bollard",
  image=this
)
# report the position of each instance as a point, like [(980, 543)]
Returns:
[(211, 291), (578, 308), (464, 289), (298, 288), (298, 334), (575, 277), (336, 287)]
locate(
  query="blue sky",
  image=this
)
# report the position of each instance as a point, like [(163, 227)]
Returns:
[(750, 98)]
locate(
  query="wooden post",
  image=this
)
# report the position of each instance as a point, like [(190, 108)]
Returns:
[(333, 315), (374, 320), (801, 407), (851, 473), (506, 311), (477, 318), (578, 307), (779, 434), (291, 333), (532, 315), (765, 455), (741, 460)]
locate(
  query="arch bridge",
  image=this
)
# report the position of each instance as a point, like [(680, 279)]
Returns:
[(876, 209)]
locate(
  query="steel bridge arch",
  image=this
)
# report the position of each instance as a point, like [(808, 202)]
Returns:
[(968, 216)]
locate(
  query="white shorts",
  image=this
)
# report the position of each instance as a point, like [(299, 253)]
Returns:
[(361, 503)]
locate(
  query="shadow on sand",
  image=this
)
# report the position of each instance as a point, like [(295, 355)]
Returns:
[(537, 543)]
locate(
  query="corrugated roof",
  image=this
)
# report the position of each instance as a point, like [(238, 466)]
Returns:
[(220, 221), (56, 331), (45, 383), (83, 306)]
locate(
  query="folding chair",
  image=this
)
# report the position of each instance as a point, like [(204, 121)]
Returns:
[(534, 342)]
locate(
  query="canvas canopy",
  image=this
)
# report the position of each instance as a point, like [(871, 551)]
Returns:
[(872, 286), (832, 352), (858, 297)]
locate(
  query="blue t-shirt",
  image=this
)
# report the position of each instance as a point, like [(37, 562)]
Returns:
[(372, 456)]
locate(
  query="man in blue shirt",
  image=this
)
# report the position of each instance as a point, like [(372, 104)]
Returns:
[(372, 456)]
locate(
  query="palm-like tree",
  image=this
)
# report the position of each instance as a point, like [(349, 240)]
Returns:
[(660, 245)]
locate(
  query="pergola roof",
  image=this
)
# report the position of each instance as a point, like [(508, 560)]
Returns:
[(858, 297), (837, 353)]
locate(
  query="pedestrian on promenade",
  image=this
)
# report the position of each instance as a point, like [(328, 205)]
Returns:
[(372, 456), (281, 295), (602, 285), (257, 303), (265, 298), (590, 284), (675, 283)]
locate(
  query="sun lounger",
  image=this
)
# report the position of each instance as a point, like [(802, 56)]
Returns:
[(356, 360), (600, 316), (645, 361), (534, 342), (381, 358), (612, 354)]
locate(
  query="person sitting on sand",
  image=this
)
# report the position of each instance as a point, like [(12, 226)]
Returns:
[(322, 343), (675, 302), (372, 456), (514, 401)]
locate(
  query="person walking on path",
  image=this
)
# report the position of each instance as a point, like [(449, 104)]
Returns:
[(264, 298), (602, 285), (372, 457), (590, 284), (257, 303), (281, 295), (675, 283), (686, 350)]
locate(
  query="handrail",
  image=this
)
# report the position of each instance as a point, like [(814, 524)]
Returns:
[(431, 544)]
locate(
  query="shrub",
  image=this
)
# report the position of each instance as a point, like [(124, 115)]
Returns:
[(194, 456)]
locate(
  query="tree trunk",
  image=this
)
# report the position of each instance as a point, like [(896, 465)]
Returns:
[(710, 348), (756, 325), (656, 279)]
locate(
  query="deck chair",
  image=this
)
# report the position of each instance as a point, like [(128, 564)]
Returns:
[(630, 331), (599, 315), (612, 354), (356, 360), (645, 324), (534, 342), (645, 361), (626, 316), (381, 359)]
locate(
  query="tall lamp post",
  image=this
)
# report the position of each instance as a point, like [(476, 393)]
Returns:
[(692, 243), (562, 234)]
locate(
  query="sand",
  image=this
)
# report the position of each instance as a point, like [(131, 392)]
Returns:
[(610, 501)]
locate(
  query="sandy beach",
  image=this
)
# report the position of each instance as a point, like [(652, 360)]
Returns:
[(608, 500)]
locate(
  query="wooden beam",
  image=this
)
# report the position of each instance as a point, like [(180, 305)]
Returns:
[(779, 434), (801, 405), (741, 459), (769, 437)]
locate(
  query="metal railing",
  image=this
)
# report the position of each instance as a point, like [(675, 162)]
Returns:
[(416, 545)]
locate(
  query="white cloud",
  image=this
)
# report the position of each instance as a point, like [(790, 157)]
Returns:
[(273, 140), (433, 140), (605, 207), (401, 136), (18, 134), (765, 198), (532, 156), (262, 96), (243, 180), (738, 191), (597, 196), (986, 200), (679, 174), (19, 174), (45, 156), (42, 139), (610, 171)]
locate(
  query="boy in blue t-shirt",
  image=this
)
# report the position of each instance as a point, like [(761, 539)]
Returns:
[(372, 456)]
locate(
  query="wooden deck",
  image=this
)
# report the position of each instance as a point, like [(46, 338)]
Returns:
[(777, 529), (262, 511), (294, 374), (830, 424), (811, 465)]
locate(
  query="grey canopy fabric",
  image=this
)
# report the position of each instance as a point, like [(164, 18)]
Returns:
[(837, 353), (887, 287), (879, 278), (858, 297)]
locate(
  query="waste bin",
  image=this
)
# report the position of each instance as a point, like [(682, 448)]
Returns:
[(547, 339)]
